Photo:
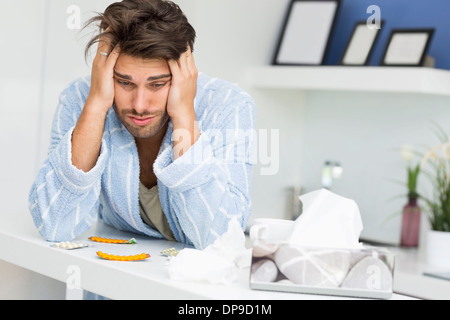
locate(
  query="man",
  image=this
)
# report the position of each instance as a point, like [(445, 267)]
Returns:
[(146, 142)]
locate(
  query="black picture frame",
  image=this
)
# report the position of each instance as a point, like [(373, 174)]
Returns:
[(392, 54), (360, 45), (306, 32)]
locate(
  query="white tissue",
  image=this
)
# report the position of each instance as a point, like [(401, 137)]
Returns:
[(219, 263), (327, 221)]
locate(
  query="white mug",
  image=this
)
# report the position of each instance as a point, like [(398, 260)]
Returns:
[(271, 230)]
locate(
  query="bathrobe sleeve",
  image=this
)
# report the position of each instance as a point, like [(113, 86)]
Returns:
[(210, 184), (63, 200)]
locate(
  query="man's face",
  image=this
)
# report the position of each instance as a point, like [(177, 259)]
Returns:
[(141, 92)]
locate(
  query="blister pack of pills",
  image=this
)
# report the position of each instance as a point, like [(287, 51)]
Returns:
[(69, 245), (172, 252)]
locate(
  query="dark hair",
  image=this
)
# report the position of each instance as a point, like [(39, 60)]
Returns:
[(148, 29)]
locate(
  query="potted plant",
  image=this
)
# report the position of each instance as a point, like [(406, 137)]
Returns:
[(436, 166)]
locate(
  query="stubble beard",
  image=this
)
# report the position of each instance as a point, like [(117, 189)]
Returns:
[(143, 132)]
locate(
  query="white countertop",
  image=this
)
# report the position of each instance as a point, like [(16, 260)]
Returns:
[(21, 244), (409, 277)]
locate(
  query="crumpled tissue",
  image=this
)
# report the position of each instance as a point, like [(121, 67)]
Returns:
[(327, 221), (216, 264)]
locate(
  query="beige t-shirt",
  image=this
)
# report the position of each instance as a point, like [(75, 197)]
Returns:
[(151, 211)]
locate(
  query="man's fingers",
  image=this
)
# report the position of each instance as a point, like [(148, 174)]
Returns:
[(113, 56), (184, 67), (103, 48), (187, 63), (174, 67), (104, 45), (191, 63)]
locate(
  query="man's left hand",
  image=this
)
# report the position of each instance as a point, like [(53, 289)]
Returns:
[(180, 103)]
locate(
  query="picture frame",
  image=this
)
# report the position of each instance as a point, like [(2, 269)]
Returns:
[(306, 32), (407, 47), (359, 48)]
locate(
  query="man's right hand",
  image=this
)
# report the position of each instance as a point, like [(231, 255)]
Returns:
[(87, 135), (101, 95)]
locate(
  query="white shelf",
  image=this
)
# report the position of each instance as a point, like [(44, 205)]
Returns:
[(373, 79)]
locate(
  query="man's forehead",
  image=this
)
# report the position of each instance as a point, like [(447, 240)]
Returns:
[(128, 67)]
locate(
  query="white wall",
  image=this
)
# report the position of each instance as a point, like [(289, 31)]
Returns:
[(20, 88), (39, 57), (364, 131), (21, 65)]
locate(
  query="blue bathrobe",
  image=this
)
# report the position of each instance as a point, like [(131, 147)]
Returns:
[(200, 192)]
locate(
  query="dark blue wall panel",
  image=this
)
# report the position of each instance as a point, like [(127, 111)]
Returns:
[(396, 14)]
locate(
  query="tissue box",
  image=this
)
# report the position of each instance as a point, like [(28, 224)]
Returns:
[(366, 272)]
